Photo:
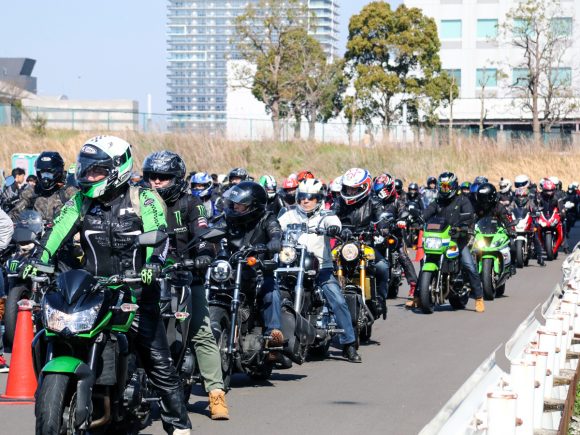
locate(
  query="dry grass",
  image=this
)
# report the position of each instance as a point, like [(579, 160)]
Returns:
[(214, 154)]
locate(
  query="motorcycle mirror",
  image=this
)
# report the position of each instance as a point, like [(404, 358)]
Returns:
[(9, 181), (152, 238)]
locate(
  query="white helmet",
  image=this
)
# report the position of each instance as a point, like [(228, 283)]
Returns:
[(505, 185), (310, 188), (556, 181), (522, 181), (336, 185), (112, 156)]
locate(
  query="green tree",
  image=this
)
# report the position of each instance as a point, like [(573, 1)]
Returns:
[(392, 57)]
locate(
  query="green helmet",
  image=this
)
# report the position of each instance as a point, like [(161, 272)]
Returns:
[(269, 183), (111, 156)]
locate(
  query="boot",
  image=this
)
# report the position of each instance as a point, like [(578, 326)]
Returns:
[(413, 303), (541, 261), (383, 306), (412, 288), (349, 352), (479, 305), (174, 413), (217, 405)]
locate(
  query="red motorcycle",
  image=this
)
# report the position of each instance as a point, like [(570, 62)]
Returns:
[(550, 232)]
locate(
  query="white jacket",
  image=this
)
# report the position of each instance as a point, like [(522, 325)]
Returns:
[(6, 230), (317, 244)]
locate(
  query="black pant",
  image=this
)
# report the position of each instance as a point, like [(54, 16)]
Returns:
[(407, 266), (150, 340)]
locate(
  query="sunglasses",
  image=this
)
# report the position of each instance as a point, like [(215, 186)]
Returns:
[(160, 177)]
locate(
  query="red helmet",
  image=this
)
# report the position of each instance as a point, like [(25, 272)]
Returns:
[(290, 183), (303, 175), (384, 187), (548, 188)]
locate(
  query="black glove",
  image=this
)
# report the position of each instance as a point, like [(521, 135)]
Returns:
[(202, 262), (333, 230), (150, 273), (346, 234), (274, 245)]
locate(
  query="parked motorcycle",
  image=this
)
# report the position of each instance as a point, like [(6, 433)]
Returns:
[(550, 232), (491, 250), (524, 243)]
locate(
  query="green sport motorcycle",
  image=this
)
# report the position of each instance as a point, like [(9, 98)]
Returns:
[(441, 278), (491, 250), (89, 381)]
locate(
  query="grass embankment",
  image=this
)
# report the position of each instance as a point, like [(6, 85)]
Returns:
[(214, 154)]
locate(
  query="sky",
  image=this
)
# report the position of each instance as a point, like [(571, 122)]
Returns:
[(106, 49)]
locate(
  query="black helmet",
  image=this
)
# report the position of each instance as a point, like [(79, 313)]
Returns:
[(486, 196), (431, 180), (170, 165), (49, 170), (252, 199), (398, 185), (240, 173), (413, 191), (447, 185)]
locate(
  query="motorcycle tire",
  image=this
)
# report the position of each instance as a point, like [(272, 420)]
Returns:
[(487, 279), (520, 261), (424, 288), (220, 326), (318, 352), (11, 313), (549, 242), (458, 302), (50, 404), (393, 289)]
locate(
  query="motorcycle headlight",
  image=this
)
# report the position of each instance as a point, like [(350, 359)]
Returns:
[(480, 244), (56, 320), (433, 243), (221, 271), (287, 255), (349, 252), (542, 223)]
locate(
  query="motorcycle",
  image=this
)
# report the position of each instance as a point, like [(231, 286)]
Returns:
[(354, 258), (523, 244), (491, 250), (550, 232), (389, 244), (88, 378), (306, 318), (234, 314), (441, 278)]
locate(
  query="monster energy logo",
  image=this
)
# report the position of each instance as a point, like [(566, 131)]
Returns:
[(177, 216), (13, 266), (202, 212)]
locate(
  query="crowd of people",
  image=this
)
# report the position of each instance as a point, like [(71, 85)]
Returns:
[(106, 203)]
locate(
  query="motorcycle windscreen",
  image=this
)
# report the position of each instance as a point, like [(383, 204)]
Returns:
[(487, 225)]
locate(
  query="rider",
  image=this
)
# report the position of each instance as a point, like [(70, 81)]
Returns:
[(505, 196), (186, 219), (401, 194), (275, 203), (236, 176), (288, 192), (465, 188), (522, 200), (309, 199), (571, 201), (414, 197), (458, 212), (430, 191), (104, 212), (202, 187), (358, 210), (548, 201)]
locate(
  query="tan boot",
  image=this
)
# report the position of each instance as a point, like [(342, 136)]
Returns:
[(217, 405), (413, 303), (479, 305)]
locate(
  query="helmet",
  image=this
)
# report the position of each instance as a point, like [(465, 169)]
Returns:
[(240, 173), (575, 184), (554, 180), (398, 185), (112, 156), (486, 196), (521, 196), (309, 188), (303, 175), (336, 185), (480, 179), (269, 183), (170, 165), (413, 191), (466, 185), (289, 187), (505, 185), (571, 189), (356, 185), (201, 185), (548, 188), (244, 203), (522, 181), (447, 185), (49, 167), (384, 187), (431, 180)]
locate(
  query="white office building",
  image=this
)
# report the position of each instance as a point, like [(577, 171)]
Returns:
[(199, 36), (475, 50)]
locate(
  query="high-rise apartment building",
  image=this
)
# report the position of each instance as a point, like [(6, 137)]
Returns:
[(199, 45)]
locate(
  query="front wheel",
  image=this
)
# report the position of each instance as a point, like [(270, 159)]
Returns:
[(487, 279), (549, 246), (11, 314), (520, 260), (220, 325), (424, 288), (50, 404)]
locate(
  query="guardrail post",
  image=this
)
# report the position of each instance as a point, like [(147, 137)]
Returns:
[(541, 358), (547, 342), (522, 382), (501, 412)]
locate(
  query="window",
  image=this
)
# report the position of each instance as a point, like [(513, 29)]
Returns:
[(523, 28), (487, 29), (520, 77), (486, 78), (562, 77), (450, 29), (561, 26), (455, 74)]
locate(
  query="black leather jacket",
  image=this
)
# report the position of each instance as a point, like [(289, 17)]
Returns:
[(457, 211), (266, 229), (360, 215)]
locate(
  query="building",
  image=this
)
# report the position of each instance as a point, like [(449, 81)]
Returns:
[(199, 46), (17, 72), (475, 51)]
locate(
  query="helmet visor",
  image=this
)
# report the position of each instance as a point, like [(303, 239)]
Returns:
[(520, 184), (445, 186), (302, 196)]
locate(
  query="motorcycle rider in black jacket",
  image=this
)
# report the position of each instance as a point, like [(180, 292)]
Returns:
[(458, 212), (522, 200), (548, 200)]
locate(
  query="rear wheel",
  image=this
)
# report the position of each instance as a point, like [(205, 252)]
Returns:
[(50, 404), (220, 326), (487, 279), (549, 246), (520, 262), (424, 288), (11, 314)]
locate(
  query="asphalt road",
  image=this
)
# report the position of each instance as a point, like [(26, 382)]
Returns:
[(414, 365)]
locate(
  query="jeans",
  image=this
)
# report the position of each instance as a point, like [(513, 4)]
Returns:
[(271, 303), (335, 299), (381, 274), (468, 266)]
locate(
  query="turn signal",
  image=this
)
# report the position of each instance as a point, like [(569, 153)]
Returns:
[(251, 261), (391, 241)]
